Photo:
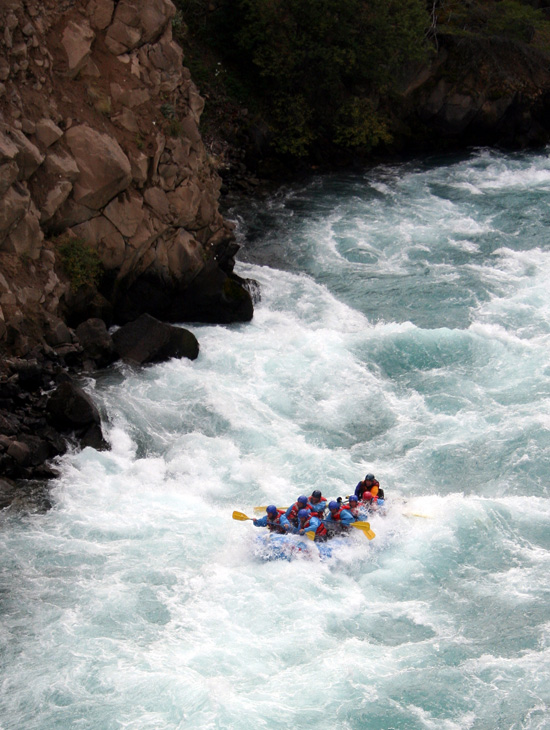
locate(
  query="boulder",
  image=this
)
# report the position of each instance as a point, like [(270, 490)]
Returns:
[(13, 208), (214, 296), (47, 132), (77, 41), (24, 496), (137, 22), (96, 341), (147, 340), (69, 408), (104, 169), (102, 235), (28, 157)]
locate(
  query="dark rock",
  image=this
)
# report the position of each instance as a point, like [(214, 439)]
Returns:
[(70, 408), (214, 296), (9, 424), (57, 333), (25, 496), (39, 449), (8, 489), (29, 374), (93, 437), (146, 340), (20, 453), (96, 342), (8, 389), (87, 303)]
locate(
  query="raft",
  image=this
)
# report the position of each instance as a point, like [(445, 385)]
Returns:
[(271, 546)]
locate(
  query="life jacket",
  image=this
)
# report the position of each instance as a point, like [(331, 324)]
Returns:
[(293, 514), (376, 483), (275, 525), (321, 530), (354, 510), (315, 507), (337, 516)]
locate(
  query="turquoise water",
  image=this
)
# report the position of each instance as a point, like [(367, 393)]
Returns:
[(403, 329)]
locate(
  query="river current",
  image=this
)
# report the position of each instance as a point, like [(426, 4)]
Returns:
[(404, 330)]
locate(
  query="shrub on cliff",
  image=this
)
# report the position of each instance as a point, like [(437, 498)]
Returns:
[(80, 262), (312, 65), (515, 20)]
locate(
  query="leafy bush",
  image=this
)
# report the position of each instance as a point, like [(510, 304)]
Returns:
[(304, 60), (80, 262), (359, 124), (510, 19)]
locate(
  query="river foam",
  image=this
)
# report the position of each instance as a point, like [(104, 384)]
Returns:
[(402, 330)]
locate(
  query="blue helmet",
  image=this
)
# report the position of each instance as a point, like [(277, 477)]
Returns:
[(333, 505), (302, 499), (271, 509), (303, 513), (354, 498)]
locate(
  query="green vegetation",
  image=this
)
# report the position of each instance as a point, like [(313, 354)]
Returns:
[(80, 262), (323, 74), (511, 19), (308, 67)]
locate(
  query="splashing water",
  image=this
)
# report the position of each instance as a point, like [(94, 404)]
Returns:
[(404, 329)]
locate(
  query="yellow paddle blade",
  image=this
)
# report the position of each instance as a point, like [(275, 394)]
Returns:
[(263, 509), (311, 535), (240, 516), (365, 528)]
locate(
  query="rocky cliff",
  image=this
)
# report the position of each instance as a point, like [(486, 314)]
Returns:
[(99, 143), (480, 90), (100, 151)]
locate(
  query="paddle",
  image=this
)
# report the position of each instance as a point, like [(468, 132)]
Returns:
[(363, 526), (263, 509), (241, 516)]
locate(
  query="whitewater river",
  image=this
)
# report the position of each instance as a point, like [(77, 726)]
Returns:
[(403, 329)]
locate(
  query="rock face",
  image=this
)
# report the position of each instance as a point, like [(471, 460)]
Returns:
[(99, 141), (478, 91)]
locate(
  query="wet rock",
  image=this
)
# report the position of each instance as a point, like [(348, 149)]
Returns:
[(146, 340), (96, 342), (70, 409), (24, 496)]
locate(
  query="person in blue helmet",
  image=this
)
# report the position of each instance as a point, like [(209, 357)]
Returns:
[(274, 519), (308, 522), (292, 512), (352, 505), (317, 503), (339, 518)]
